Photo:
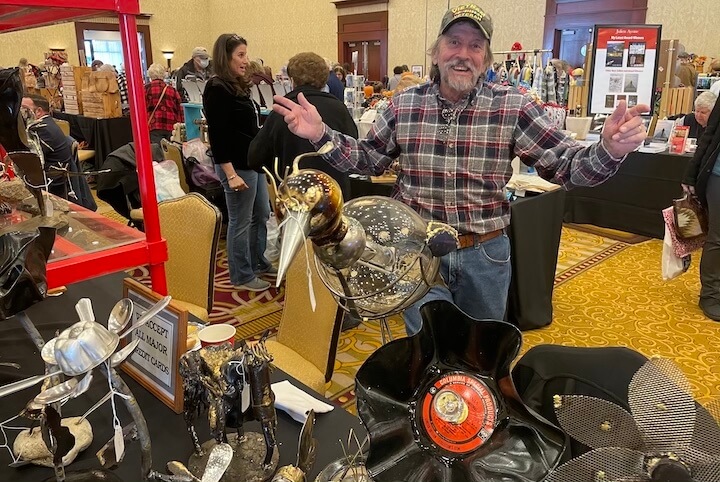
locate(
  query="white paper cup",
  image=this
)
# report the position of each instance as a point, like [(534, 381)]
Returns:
[(216, 334)]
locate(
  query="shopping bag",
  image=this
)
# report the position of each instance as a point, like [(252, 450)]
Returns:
[(672, 265), (167, 180), (202, 175), (690, 217), (681, 247)]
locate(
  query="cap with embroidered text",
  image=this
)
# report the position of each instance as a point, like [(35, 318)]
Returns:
[(469, 12)]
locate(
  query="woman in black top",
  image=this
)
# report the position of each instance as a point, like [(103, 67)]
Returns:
[(233, 121)]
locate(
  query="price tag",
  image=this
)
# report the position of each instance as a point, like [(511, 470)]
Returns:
[(119, 441), (245, 397)]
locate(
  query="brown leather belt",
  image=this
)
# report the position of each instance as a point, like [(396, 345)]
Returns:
[(467, 240)]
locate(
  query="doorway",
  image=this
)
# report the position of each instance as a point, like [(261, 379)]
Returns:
[(362, 43), (365, 58), (101, 41), (577, 15), (573, 44)]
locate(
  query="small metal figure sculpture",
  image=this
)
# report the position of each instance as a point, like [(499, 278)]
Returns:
[(233, 385)]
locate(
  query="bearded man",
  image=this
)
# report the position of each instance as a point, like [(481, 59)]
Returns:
[(454, 139)]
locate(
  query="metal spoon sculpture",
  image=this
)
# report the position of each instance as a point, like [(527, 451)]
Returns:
[(77, 351), (83, 346)]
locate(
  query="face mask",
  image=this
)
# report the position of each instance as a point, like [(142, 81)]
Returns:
[(27, 114), (204, 63)]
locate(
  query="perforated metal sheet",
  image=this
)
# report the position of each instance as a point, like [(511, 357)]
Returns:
[(665, 422), (662, 406), (602, 465), (597, 423)]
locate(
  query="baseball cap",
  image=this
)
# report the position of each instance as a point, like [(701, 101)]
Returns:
[(200, 52), (471, 12)]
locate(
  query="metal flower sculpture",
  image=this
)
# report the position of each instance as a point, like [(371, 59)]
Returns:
[(666, 436), (440, 406)]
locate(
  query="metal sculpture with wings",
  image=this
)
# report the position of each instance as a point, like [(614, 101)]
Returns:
[(666, 436)]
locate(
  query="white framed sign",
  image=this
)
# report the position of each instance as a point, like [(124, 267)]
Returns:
[(624, 66), (163, 340)]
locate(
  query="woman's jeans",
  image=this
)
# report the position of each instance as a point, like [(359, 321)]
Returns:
[(477, 278), (710, 261), (248, 211)]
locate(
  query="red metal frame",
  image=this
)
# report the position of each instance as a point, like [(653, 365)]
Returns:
[(20, 14)]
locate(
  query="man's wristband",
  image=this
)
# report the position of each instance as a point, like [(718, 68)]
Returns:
[(232, 177)]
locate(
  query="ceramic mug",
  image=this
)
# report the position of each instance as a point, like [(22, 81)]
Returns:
[(216, 334)]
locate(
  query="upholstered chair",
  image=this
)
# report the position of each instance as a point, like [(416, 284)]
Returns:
[(191, 226), (307, 341)]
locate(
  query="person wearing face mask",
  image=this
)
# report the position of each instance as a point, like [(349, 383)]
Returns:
[(233, 122), (200, 66), (454, 139), (307, 71), (56, 146)]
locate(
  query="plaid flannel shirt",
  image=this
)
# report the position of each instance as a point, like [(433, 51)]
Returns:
[(123, 89), (455, 160), (169, 112)]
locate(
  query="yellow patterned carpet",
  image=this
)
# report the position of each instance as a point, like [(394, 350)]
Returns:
[(606, 293)]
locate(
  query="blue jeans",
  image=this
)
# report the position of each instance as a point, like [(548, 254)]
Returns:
[(477, 278), (248, 211)]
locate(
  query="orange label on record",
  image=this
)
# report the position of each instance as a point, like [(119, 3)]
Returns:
[(458, 413)]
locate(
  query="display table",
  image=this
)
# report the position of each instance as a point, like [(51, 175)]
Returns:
[(101, 135), (88, 244), (535, 229), (170, 439), (631, 200)]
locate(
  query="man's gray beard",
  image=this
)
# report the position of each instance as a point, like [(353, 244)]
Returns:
[(461, 85)]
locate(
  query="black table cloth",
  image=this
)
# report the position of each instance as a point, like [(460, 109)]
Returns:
[(631, 200), (170, 440), (535, 228), (101, 135)]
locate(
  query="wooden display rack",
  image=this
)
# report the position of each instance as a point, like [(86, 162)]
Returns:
[(673, 100)]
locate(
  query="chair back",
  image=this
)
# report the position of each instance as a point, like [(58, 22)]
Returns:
[(172, 152), (313, 335), (272, 192), (255, 92), (266, 90), (280, 88), (191, 226), (64, 126)]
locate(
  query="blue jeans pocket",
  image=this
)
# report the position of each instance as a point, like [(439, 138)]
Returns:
[(496, 250)]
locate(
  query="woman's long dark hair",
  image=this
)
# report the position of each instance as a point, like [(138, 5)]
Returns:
[(222, 53)]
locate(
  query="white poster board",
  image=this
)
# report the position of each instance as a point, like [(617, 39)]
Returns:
[(624, 66)]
